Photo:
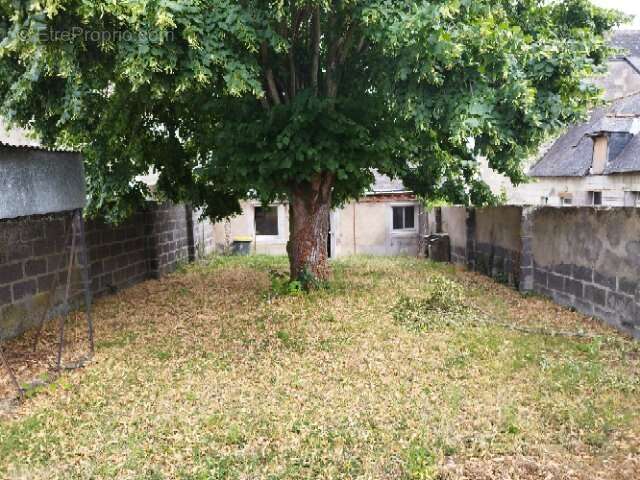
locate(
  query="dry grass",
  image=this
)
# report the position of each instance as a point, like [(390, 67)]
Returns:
[(208, 375)]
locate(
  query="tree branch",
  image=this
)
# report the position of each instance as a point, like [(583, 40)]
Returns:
[(315, 46), (272, 88)]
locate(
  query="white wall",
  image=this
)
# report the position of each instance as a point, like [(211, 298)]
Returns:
[(613, 188), (358, 228)]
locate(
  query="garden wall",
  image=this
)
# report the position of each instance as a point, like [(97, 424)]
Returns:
[(589, 259), (152, 243), (487, 240), (455, 223), (585, 258)]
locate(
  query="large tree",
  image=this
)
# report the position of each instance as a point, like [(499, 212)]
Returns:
[(297, 100)]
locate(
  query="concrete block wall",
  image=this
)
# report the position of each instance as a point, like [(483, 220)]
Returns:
[(168, 236), (152, 243), (458, 223), (497, 243), (31, 256), (118, 255), (585, 258), (487, 240), (589, 259)]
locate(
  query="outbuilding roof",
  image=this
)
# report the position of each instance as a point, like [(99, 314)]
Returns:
[(20, 138)]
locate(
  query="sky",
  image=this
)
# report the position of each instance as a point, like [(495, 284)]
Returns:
[(631, 7)]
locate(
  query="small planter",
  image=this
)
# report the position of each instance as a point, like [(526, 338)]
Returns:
[(241, 246)]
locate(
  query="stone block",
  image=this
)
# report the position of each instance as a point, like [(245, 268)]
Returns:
[(627, 286), (540, 277), (5, 295), (556, 282), (562, 269), (604, 280), (582, 273), (595, 294), (24, 289), (574, 287), (10, 273), (35, 267)]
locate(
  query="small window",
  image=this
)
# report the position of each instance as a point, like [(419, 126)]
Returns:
[(266, 221), (632, 199), (596, 198), (567, 201), (404, 218)]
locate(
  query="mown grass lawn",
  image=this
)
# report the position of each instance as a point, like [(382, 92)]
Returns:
[(210, 374)]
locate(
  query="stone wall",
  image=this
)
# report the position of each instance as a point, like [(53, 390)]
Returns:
[(585, 258), (152, 243)]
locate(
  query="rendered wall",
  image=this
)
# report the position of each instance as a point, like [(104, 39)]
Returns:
[(455, 224), (583, 257), (497, 243), (589, 259), (363, 227)]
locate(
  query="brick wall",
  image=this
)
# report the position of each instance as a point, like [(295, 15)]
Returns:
[(152, 243)]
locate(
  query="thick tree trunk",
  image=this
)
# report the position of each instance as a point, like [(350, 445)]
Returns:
[(310, 206)]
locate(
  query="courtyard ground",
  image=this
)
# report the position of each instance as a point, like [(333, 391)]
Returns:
[(400, 369)]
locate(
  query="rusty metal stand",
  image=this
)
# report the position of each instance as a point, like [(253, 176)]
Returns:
[(78, 256), (86, 281), (78, 231), (53, 288), (12, 376)]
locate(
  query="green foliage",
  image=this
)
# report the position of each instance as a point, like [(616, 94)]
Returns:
[(222, 98), (420, 463), (443, 303), (282, 286)]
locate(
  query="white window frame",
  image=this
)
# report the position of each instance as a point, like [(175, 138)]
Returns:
[(592, 198), (404, 231), (267, 238)]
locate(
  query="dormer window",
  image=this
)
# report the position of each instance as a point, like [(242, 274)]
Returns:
[(600, 154)]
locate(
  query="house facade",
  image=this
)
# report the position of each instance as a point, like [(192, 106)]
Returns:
[(597, 162), (385, 221)]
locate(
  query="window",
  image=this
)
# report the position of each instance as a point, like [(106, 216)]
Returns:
[(266, 220), (595, 198), (566, 201), (631, 199), (404, 218)]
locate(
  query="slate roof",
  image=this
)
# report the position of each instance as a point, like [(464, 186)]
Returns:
[(628, 40), (572, 154)]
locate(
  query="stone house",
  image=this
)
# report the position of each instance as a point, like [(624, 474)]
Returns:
[(385, 221), (598, 161)]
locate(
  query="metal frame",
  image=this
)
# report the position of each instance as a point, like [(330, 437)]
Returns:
[(76, 242)]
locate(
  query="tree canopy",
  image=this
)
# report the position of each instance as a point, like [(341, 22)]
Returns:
[(275, 98)]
